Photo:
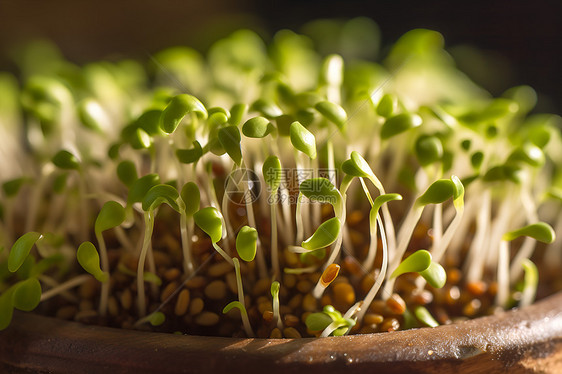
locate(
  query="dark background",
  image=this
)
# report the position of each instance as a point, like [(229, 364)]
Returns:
[(526, 34)]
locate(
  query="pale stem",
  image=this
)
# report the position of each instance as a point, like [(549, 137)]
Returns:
[(475, 262), (105, 268), (502, 296), (525, 252), (74, 282), (245, 320), (373, 291), (262, 267), (186, 234), (223, 253), (148, 227), (274, 244)]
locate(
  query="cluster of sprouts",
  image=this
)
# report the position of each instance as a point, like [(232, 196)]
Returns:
[(264, 152)]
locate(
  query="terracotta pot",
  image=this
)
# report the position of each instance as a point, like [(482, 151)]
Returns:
[(522, 341)]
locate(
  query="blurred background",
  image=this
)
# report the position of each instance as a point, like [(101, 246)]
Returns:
[(520, 42)]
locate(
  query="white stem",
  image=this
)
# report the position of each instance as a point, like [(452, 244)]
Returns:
[(186, 232), (274, 244), (105, 268), (141, 298), (502, 297), (74, 282), (245, 320), (475, 260)]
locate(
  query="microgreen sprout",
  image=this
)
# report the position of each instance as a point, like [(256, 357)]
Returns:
[(455, 170)]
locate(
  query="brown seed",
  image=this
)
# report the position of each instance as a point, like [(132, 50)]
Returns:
[(216, 290), (453, 275), (86, 316), (367, 283), (261, 287), (182, 303), (291, 259), (396, 304), (88, 289), (390, 324), (197, 281), (113, 306), (168, 291), (276, 334), (291, 320), (285, 309), (354, 217), (85, 305), (289, 280), (351, 266), (265, 306), (126, 299), (325, 300), (356, 237), (472, 308), (368, 329), (207, 319), (304, 286), (452, 295), (67, 312), (172, 274), (343, 295), (162, 259), (476, 288), (421, 297), (267, 316), (295, 301), (378, 306), (309, 303), (329, 274), (373, 319), (231, 283), (291, 333), (196, 306), (219, 269)]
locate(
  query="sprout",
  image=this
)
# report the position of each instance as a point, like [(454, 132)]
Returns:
[(325, 235), (229, 138), (332, 112), (398, 124), (257, 127), (271, 171), (246, 243), (330, 322), (275, 286), (423, 315), (210, 221), (20, 250), (303, 140), (89, 259), (178, 108)]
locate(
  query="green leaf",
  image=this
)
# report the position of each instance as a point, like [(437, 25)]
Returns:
[(275, 287), (149, 122), (66, 160), (428, 149), (141, 186), (160, 194), (234, 304), (383, 199), (257, 127), (156, 318), (6, 310), (387, 105), (272, 172), (531, 278), (229, 138), (303, 140), (178, 108), (20, 250), (439, 191), (12, 187), (503, 173), (435, 275), (476, 159), (399, 123), (59, 183), (189, 156), (321, 190), (332, 112), (152, 278), (237, 112), (191, 198), (246, 243), (318, 321), (127, 173), (111, 215), (529, 154), (540, 231), (92, 115), (415, 263), (27, 295), (267, 108), (136, 137), (423, 315), (89, 258), (209, 219), (458, 196), (357, 166), (325, 235)]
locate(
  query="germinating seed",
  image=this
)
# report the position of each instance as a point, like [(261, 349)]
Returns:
[(373, 319), (289, 280), (219, 269), (343, 295), (196, 282), (304, 286), (390, 324), (113, 306), (267, 316), (396, 304), (265, 306), (291, 320), (172, 274), (309, 303), (126, 299), (182, 303), (231, 283), (67, 312)]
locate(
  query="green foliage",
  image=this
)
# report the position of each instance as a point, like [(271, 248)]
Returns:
[(415, 263), (303, 140), (399, 123), (271, 171), (189, 156), (20, 250), (209, 220), (27, 295), (332, 112), (111, 215), (325, 235), (257, 127), (161, 194), (88, 257), (540, 231), (246, 243), (178, 108), (191, 198), (229, 138), (66, 160)]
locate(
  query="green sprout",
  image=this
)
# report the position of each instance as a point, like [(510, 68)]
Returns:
[(330, 322)]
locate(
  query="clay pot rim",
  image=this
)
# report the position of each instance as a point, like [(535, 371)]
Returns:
[(34, 342)]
